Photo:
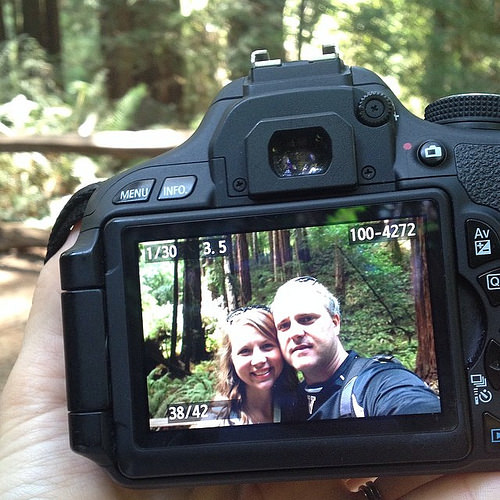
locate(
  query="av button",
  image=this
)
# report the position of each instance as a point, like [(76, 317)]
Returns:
[(175, 188), (483, 244)]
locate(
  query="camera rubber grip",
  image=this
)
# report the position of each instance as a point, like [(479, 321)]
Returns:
[(478, 170), (85, 350)]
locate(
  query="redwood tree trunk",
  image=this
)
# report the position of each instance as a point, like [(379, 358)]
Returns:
[(426, 365)]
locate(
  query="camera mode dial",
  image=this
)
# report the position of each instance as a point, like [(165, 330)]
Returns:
[(466, 110), (375, 109)]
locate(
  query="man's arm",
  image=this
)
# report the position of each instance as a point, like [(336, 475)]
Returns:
[(394, 391)]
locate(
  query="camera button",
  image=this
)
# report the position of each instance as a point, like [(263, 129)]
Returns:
[(175, 188), (491, 430), (490, 282), (375, 109), (483, 244), (135, 191), (431, 153)]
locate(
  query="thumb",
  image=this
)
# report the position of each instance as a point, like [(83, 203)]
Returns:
[(40, 365)]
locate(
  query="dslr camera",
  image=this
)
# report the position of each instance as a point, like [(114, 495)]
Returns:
[(306, 168)]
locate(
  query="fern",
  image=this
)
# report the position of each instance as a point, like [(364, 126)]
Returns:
[(195, 388), (122, 117)]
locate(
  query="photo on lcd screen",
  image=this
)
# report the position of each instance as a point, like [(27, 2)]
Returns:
[(222, 346)]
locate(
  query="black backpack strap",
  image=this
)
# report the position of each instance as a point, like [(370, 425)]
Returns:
[(71, 213), (358, 365)]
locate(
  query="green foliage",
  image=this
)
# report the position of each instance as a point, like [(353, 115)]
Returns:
[(432, 48), (28, 183), (26, 70), (32, 103), (199, 387), (303, 17), (161, 64), (375, 319), (160, 331), (251, 25), (210, 328), (161, 285), (81, 51)]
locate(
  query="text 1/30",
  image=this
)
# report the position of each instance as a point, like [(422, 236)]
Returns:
[(177, 249)]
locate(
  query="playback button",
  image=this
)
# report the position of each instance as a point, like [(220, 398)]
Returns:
[(491, 432)]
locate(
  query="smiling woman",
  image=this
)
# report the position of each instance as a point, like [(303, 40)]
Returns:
[(253, 375)]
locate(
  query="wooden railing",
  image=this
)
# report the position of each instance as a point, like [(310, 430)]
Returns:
[(121, 144)]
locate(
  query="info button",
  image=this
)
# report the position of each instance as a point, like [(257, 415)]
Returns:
[(175, 188)]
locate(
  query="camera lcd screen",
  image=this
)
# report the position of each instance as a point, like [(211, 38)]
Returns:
[(227, 343)]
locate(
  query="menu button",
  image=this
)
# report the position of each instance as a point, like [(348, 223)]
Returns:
[(135, 192)]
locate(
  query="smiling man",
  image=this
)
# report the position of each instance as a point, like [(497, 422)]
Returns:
[(339, 383)]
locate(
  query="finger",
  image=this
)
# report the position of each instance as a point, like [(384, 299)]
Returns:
[(392, 488)]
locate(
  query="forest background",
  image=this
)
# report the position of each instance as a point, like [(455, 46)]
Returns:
[(87, 66), (82, 66)]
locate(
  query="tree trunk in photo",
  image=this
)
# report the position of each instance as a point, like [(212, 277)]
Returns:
[(3, 31), (175, 311), (52, 37), (426, 365), (193, 339), (302, 244), (243, 268), (31, 19), (339, 270), (286, 252), (255, 248), (41, 22), (230, 292), (275, 256)]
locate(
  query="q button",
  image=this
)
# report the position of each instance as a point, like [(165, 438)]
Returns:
[(490, 282)]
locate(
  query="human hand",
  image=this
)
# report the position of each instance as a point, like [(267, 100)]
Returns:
[(36, 461)]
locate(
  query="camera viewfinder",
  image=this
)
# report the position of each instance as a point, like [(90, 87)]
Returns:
[(304, 151)]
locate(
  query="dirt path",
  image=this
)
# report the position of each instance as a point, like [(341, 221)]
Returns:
[(18, 275)]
